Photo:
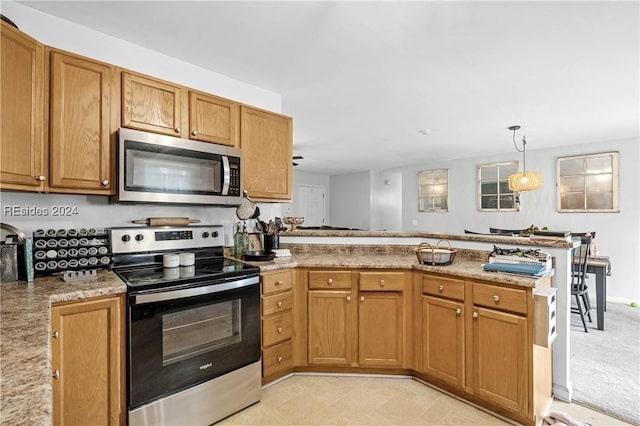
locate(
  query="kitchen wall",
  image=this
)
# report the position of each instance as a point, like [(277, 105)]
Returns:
[(351, 200), (95, 211)]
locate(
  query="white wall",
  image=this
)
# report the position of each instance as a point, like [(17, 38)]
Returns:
[(95, 211), (386, 200), (618, 234), (351, 200), (312, 179)]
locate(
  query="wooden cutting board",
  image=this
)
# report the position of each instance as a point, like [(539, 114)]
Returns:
[(166, 221)]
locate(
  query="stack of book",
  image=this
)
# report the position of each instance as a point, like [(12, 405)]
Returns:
[(537, 265)]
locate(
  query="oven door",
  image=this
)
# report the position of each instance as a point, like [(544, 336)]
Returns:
[(182, 337)]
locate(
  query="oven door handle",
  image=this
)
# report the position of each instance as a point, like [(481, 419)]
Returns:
[(141, 299)]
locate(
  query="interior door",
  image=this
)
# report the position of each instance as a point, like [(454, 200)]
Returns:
[(311, 204)]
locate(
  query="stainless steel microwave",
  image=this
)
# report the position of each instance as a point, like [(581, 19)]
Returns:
[(163, 169)]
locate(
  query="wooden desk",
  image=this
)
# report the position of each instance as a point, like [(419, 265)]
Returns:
[(600, 266)]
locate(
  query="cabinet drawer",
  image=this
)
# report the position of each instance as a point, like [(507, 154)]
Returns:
[(277, 303), (277, 282), (508, 299), (444, 287), (277, 359), (329, 279), (276, 328), (382, 281)]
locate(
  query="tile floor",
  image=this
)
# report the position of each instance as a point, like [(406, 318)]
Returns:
[(364, 400)]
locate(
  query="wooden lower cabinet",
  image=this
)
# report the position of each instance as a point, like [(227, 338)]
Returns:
[(332, 327), (277, 323), (380, 329), (88, 365), (443, 350)]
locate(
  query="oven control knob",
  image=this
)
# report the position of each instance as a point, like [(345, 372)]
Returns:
[(126, 238), (139, 237), (214, 234), (205, 234)]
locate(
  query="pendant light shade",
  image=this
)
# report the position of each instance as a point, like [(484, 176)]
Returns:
[(523, 181)]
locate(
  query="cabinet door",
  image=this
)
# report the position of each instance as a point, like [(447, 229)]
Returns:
[(443, 340), (331, 327), (381, 331), (266, 140), (81, 126), (151, 105), (22, 159), (213, 119), (500, 358), (87, 350)]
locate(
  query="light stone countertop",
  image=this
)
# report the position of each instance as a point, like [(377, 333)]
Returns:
[(26, 395)]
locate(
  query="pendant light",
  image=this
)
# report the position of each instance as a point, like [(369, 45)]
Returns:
[(523, 181)]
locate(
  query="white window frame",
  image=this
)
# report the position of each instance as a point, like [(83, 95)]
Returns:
[(615, 161), (434, 184), (503, 179)]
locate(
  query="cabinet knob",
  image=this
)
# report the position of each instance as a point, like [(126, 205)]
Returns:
[(475, 315), (458, 311), (105, 182), (279, 359), (496, 298), (381, 283), (194, 133), (55, 334), (362, 298), (348, 298), (177, 129), (279, 283), (56, 374), (441, 288), (279, 329), (41, 178), (330, 281), (279, 304)]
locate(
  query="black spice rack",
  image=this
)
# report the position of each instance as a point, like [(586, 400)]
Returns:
[(60, 250)]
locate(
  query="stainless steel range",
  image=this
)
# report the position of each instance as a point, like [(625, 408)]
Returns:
[(193, 328)]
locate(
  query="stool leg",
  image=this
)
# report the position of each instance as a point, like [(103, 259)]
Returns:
[(582, 314)]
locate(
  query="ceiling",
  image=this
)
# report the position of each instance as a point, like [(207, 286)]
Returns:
[(379, 85)]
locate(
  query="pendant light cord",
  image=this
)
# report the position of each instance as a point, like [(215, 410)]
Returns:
[(524, 147)]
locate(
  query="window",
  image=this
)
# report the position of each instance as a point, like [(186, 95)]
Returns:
[(433, 191), (493, 187), (588, 183)]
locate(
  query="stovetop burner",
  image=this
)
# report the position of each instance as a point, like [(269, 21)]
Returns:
[(145, 277)]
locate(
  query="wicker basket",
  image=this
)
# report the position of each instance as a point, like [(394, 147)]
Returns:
[(430, 255)]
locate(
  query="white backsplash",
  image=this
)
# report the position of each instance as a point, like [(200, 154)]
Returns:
[(28, 212)]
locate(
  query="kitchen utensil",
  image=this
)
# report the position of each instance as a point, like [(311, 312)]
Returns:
[(247, 208), (166, 221), (430, 255)]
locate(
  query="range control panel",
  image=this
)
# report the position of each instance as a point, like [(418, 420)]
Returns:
[(153, 238)]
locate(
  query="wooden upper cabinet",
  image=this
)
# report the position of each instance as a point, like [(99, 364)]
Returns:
[(213, 119), (266, 140), (151, 105), (22, 154), (82, 125)]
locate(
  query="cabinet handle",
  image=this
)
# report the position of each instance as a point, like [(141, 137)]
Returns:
[(194, 133), (279, 329), (41, 178), (381, 283), (55, 334), (330, 281), (458, 311), (440, 288), (496, 298), (475, 315), (56, 374), (105, 182), (362, 298), (279, 304), (348, 298), (279, 283), (177, 129), (279, 359)]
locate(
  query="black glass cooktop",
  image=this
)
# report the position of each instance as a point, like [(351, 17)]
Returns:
[(145, 277)]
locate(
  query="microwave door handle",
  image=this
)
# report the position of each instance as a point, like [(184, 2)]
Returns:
[(226, 175)]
